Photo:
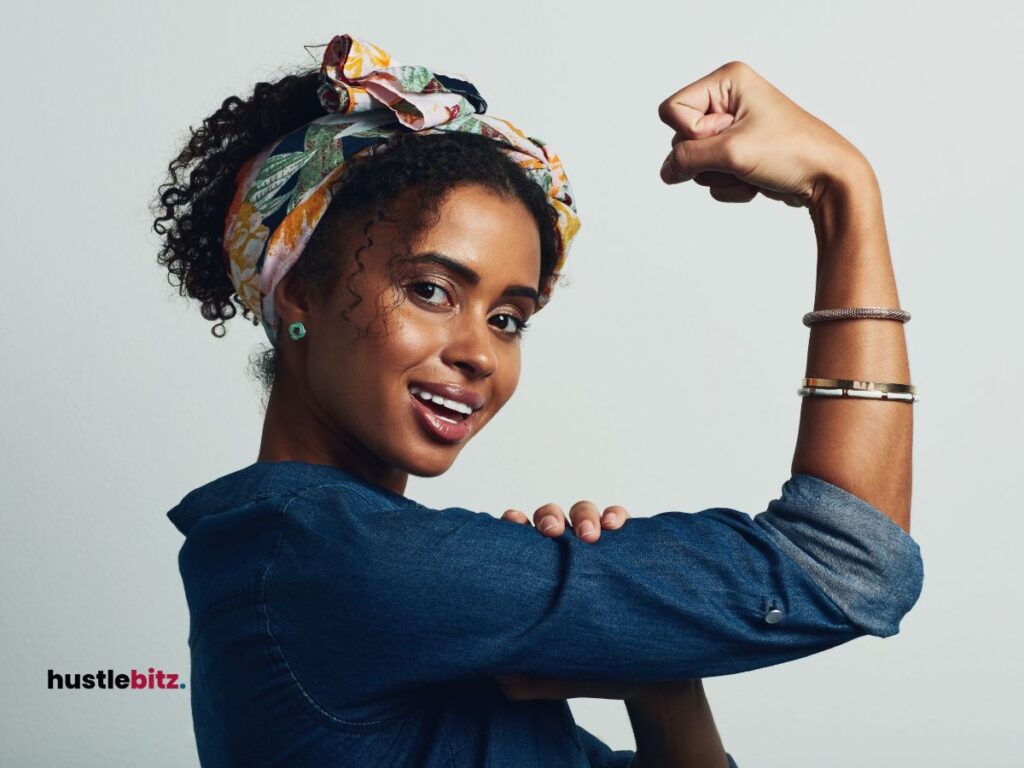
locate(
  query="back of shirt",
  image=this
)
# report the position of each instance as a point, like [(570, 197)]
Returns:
[(333, 618)]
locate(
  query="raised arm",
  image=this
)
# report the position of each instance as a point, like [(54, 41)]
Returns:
[(863, 446), (739, 135)]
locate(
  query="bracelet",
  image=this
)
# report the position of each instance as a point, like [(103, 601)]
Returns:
[(865, 394), (874, 386), (856, 313), (868, 390)]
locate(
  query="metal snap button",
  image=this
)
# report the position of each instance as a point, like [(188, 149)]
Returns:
[(774, 616)]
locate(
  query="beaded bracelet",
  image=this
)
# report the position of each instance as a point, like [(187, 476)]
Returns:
[(856, 313)]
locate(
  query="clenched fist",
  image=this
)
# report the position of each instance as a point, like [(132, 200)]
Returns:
[(739, 135)]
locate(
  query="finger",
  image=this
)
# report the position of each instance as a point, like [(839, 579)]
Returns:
[(724, 120), (702, 108), (521, 688), (739, 193), (549, 519), (614, 516), (586, 520), (717, 179), (516, 516), (690, 157)]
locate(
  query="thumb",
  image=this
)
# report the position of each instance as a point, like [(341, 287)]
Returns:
[(713, 152)]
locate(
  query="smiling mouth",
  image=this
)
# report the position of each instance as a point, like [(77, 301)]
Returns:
[(450, 410), (440, 422), (444, 413)]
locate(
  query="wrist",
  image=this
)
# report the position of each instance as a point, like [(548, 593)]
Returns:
[(673, 725), (849, 177), (846, 210)]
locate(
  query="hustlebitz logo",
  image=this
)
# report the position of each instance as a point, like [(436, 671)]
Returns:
[(106, 679)]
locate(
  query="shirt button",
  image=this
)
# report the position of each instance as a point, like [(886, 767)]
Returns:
[(774, 616)]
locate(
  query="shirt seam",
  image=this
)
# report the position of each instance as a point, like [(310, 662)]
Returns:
[(275, 646), (247, 599), (221, 607)]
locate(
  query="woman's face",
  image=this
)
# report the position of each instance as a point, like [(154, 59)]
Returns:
[(469, 283)]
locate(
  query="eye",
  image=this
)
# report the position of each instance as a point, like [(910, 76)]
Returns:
[(428, 290), (519, 326)]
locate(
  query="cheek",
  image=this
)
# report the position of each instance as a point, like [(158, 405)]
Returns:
[(410, 337), (507, 375)]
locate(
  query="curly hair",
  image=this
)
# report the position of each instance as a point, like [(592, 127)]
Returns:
[(191, 206)]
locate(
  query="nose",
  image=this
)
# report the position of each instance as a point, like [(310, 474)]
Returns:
[(471, 346)]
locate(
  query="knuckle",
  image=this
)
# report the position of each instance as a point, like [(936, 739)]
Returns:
[(735, 156)]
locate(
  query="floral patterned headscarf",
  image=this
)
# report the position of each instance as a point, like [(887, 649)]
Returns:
[(284, 190)]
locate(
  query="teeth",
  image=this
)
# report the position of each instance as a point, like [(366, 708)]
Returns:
[(453, 405)]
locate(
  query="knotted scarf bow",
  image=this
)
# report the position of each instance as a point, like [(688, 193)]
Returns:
[(284, 190)]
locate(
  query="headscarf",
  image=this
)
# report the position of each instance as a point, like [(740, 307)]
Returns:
[(283, 191)]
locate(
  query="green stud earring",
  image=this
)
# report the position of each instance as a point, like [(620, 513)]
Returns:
[(296, 330)]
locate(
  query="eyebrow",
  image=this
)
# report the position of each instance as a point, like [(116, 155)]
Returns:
[(467, 274)]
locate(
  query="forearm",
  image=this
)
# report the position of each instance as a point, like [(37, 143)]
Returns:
[(675, 729), (863, 446)]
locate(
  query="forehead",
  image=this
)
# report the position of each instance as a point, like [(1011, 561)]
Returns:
[(494, 235)]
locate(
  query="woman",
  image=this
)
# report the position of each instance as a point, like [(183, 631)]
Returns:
[(335, 621)]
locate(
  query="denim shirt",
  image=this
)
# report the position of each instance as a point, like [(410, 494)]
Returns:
[(333, 622)]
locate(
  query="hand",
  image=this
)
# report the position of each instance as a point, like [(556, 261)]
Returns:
[(522, 688), (587, 521), (739, 135)]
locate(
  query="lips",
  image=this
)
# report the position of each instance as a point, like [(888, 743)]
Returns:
[(438, 428), (452, 392)]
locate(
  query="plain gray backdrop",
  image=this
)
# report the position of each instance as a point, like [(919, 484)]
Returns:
[(663, 377)]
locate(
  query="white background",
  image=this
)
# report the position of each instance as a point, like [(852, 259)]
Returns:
[(663, 377)]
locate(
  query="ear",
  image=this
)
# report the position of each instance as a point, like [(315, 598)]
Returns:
[(291, 301)]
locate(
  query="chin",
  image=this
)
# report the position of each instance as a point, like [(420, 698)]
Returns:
[(431, 464)]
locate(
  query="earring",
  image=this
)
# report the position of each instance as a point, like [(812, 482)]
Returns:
[(297, 330)]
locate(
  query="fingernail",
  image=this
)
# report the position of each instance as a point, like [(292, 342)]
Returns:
[(586, 528), (611, 518), (547, 524)]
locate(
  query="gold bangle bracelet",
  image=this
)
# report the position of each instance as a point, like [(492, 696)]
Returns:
[(858, 394), (857, 384)]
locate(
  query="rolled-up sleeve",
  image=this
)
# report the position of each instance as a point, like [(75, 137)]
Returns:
[(420, 595), (869, 566)]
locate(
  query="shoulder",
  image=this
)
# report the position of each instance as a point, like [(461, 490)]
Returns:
[(340, 502)]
